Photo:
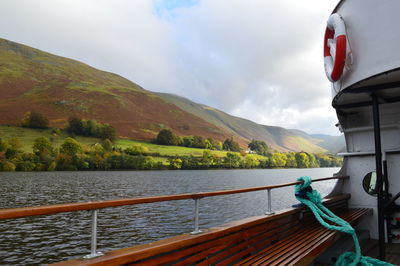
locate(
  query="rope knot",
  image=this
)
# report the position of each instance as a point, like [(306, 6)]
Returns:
[(306, 183), (305, 191)]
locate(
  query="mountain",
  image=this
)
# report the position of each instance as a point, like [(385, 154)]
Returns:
[(277, 137), (58, 87), (32, 80), (334, 144)]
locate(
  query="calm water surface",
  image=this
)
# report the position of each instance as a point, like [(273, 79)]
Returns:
[(46, 239)]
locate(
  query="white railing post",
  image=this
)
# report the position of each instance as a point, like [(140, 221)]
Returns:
[(93, 242), (196, 218), (269, 199)]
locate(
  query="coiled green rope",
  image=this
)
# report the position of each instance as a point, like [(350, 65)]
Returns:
[(311, 198)]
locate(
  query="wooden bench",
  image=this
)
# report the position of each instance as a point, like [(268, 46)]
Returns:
[(289, 237)]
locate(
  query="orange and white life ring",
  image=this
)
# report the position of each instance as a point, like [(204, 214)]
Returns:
[(335, 47)]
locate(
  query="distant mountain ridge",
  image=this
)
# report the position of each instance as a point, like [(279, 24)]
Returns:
[(33, 80), (277, 137), (334, 144)]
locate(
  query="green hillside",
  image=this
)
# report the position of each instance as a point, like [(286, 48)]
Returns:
[(26, 136), (334, 144), (277, 137), (58, 87)]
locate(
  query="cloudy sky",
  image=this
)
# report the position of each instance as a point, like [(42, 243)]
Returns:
[(257, 59)]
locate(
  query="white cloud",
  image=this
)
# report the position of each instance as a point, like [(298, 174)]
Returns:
[(257, 59), (261, 60)]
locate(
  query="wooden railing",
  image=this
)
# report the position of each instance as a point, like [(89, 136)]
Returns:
[(95, 206), (72, 207)]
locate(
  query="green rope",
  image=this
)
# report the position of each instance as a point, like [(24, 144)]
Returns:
[(311, 198)]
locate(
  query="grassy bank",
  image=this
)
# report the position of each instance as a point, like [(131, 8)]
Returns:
[(28, 135), (57, 151)]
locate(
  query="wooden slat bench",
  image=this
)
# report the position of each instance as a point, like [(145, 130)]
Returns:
[(289, 237)]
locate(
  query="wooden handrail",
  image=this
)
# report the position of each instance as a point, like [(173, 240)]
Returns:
[(167, 245), (84, 206)]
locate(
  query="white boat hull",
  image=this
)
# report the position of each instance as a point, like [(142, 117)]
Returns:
[(372, 28)]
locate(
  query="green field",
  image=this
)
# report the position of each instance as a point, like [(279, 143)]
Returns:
[(27, 137), (166, 150)]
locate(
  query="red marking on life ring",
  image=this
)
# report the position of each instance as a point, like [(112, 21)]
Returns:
[(334, 64)]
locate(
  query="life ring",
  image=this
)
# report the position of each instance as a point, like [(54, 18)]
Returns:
[(335, 47)]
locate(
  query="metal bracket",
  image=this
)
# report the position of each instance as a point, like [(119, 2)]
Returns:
[(93, 242), (93, 255), (269, 211), (196, 218)]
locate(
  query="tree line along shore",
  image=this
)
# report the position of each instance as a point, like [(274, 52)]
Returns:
[(107, 153)]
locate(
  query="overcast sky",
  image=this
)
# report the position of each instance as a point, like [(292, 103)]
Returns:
[(257, 59)]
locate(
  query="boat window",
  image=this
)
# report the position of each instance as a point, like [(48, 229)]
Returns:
[(369, 183)]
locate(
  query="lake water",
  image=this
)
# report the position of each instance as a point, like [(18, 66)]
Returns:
[(46, 239)]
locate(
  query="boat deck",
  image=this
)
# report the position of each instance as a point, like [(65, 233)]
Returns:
[(369, 248), (392, 251)]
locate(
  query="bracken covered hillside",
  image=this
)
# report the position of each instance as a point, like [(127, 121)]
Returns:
[(58, 87)]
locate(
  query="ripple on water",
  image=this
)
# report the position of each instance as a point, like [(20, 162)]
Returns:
[(46, 239)]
